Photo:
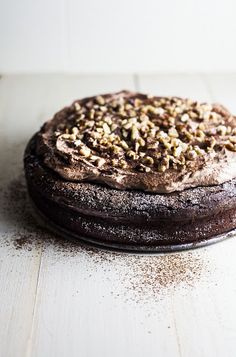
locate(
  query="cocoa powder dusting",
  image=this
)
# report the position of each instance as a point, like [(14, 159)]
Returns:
[(140, 277)]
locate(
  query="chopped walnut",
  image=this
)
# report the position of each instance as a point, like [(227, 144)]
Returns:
[(146, 133)]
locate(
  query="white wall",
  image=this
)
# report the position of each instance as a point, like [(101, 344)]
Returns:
[(117, 36)]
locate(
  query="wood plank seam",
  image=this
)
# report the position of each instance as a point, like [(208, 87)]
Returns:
[(136, 82), (30, 338), (175, 327), (205, 81)]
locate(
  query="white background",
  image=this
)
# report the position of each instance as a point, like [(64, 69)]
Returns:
[(117, 36)]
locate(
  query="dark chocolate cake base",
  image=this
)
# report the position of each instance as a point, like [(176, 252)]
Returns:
[(133, 220), (129, 248)]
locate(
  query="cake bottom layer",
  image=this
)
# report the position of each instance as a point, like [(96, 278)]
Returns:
[(69, 222)]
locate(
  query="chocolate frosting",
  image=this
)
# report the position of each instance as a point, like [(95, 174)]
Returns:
[(62, 152)]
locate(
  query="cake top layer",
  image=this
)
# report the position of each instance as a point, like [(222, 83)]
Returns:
[(132, 140)]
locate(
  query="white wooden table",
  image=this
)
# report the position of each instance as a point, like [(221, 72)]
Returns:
[(60, 300)]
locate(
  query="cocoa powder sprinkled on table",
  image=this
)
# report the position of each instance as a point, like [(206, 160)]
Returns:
[(141, 277)]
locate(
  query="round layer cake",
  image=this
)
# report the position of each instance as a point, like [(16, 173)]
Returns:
[(135, 171)]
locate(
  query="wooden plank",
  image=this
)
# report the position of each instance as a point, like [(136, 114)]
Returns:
[(183, 85), (18, 268), (98, 305), (222, 88), (29, 100), (79, 312), (204, 317)]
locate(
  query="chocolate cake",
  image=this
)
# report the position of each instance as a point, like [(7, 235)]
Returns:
[(134, 171)]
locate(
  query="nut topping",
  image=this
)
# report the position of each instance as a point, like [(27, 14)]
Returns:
[(145, 133)]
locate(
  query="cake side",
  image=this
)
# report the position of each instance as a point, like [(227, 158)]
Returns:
[(100, 200), (134, 217)]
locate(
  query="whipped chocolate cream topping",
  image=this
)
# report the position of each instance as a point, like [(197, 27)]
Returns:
[(134, 141)]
